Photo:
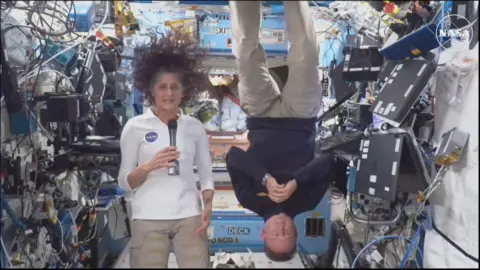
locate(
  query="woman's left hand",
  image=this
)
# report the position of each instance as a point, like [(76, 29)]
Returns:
[(206, 217)]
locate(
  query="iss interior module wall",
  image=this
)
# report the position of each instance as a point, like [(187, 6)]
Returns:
[(455, 204), (385, 220)]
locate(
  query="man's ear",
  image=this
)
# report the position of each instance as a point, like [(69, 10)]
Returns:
[(262, 235)]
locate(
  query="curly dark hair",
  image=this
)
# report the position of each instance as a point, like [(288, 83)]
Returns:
[(174, 53)]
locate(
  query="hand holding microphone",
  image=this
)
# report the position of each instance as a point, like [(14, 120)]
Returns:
[(163, 159)]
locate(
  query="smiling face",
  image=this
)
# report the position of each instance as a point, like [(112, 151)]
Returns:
[(167, 92)]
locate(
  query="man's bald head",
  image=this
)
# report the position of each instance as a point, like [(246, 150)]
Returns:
[(280, 238)]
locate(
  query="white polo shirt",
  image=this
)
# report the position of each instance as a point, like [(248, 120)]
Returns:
[(164, 197)]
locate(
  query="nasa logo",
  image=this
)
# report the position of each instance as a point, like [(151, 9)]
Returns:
[(151, 137), (460, 36)]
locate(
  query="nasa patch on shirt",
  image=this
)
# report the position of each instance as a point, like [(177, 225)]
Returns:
[(151, 137)]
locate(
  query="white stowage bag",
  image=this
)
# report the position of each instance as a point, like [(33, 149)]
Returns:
[(233, 117), (229, 120), (212, 124), (242, 121), (232, 260)]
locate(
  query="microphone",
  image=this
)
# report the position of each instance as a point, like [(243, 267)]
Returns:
[(172, 131)]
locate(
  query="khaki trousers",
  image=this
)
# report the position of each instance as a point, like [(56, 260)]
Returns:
[(259, 95), (150, 243)]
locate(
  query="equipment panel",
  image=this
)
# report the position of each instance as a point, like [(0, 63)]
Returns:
[(215, 34)]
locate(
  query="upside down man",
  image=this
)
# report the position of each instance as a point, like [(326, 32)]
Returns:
[(278, 176)]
